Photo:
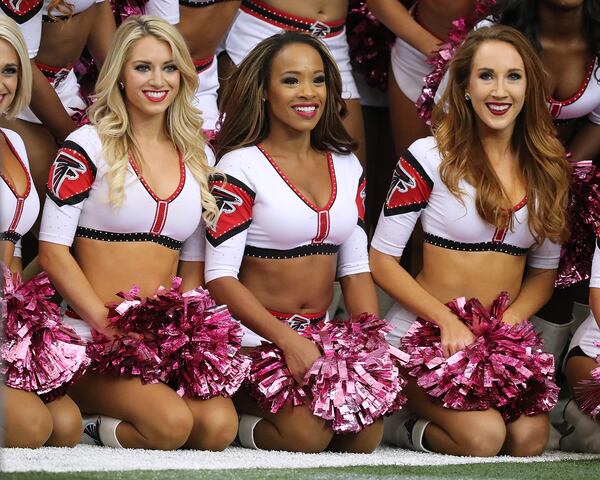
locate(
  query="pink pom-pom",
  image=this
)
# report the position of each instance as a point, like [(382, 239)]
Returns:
[(356, 381), (369, 43), (583, 214), (182, 339), (587, 393), (39, 353), (504, 368)]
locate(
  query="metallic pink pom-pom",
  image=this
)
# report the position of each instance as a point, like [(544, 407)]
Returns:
[(356, 381), (583, 214), (504, 368), (587, 393), (182, 339), (440, 60), (369, 43), (39, 354)]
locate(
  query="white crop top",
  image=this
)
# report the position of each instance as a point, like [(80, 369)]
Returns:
[(18, 213), (585, 102), (263, 215), (28, 15), (77, 202), (166, 9), (418, 191)]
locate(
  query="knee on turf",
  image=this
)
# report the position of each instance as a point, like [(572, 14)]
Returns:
[(306, 433), (67, 427), (32, 428), (218, 429), (484, 436), (528, 442), (169, 428)]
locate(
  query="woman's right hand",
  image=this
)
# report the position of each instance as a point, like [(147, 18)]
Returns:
[(300, 353), (454, 336)]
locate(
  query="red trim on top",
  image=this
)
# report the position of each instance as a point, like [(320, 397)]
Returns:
[(202, 64), (520, 205), (177, 191), (17, 215), (332, 178), (7, 180), (287, 316), (556, 105), (160, 217)]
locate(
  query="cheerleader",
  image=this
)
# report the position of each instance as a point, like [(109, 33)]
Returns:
[(67, 28), (489, 188), (260, 19), (29, 421), (124, 208), (584, 350), (291, 216), (565, 36)]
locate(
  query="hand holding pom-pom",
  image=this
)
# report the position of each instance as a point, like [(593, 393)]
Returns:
[(587, 393), (504, 368)]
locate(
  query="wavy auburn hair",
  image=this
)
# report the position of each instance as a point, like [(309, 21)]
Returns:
[(541, 155), (182, 122), (244, 115)]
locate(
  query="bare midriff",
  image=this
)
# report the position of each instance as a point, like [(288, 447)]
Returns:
[(449, 274), (204, 27), (112, 267), (293, 285), (322, 10), (436, 16), (64, 40)]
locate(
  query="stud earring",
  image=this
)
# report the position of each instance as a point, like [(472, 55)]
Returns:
[(467, 96), (121, 86)]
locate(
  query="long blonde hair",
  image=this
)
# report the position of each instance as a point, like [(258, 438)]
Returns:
[(183, 122), (541, 156), (11, 33)]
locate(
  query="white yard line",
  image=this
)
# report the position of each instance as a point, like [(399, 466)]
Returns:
[(88, 458)]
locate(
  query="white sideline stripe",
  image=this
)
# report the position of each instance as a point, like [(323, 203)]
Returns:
[(92, 458)]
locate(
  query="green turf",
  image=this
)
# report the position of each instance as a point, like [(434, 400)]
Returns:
[(577, 470)]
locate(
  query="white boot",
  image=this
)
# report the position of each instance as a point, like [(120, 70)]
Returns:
[(245, 434), (100, 430), (555, 336), (584, 432), (405, 430)]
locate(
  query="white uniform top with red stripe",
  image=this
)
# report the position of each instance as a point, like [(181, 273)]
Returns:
[(77, 202), (418, 191), (28, 15), (18, 210), (585, 102), (263, 215)]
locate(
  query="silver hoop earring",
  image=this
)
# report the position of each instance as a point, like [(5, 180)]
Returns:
[(467, 96)]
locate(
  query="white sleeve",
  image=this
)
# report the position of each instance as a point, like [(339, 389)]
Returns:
[(226, 241), (29, 20), (594, 115), (166, 9), (546, 255), (70, 180), (595, 278), (17, 251), (353, 257), (407, 197)]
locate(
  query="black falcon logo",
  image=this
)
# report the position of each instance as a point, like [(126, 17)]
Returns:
[(402, 181), (226, 201), (66, 167)]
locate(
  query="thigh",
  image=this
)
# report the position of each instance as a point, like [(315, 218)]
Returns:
[(354, 124), (66, 421), (406, 124), (579, 368), (127, 398), (27, 421), (41, 150)]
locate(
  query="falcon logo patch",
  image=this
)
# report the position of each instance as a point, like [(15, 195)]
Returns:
[(234, 199), (71, 175), (410, 188), (361, 197), (21, 10)]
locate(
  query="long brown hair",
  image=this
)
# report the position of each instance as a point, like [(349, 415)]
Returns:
[(541, 155), (244, 113)]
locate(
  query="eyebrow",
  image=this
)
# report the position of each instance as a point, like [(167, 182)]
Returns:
[(491, 69), (11, 65), (150, 61), (299, 73)]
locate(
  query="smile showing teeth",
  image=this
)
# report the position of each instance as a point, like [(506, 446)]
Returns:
[(310, 109), (498, 108), (155, 96)]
